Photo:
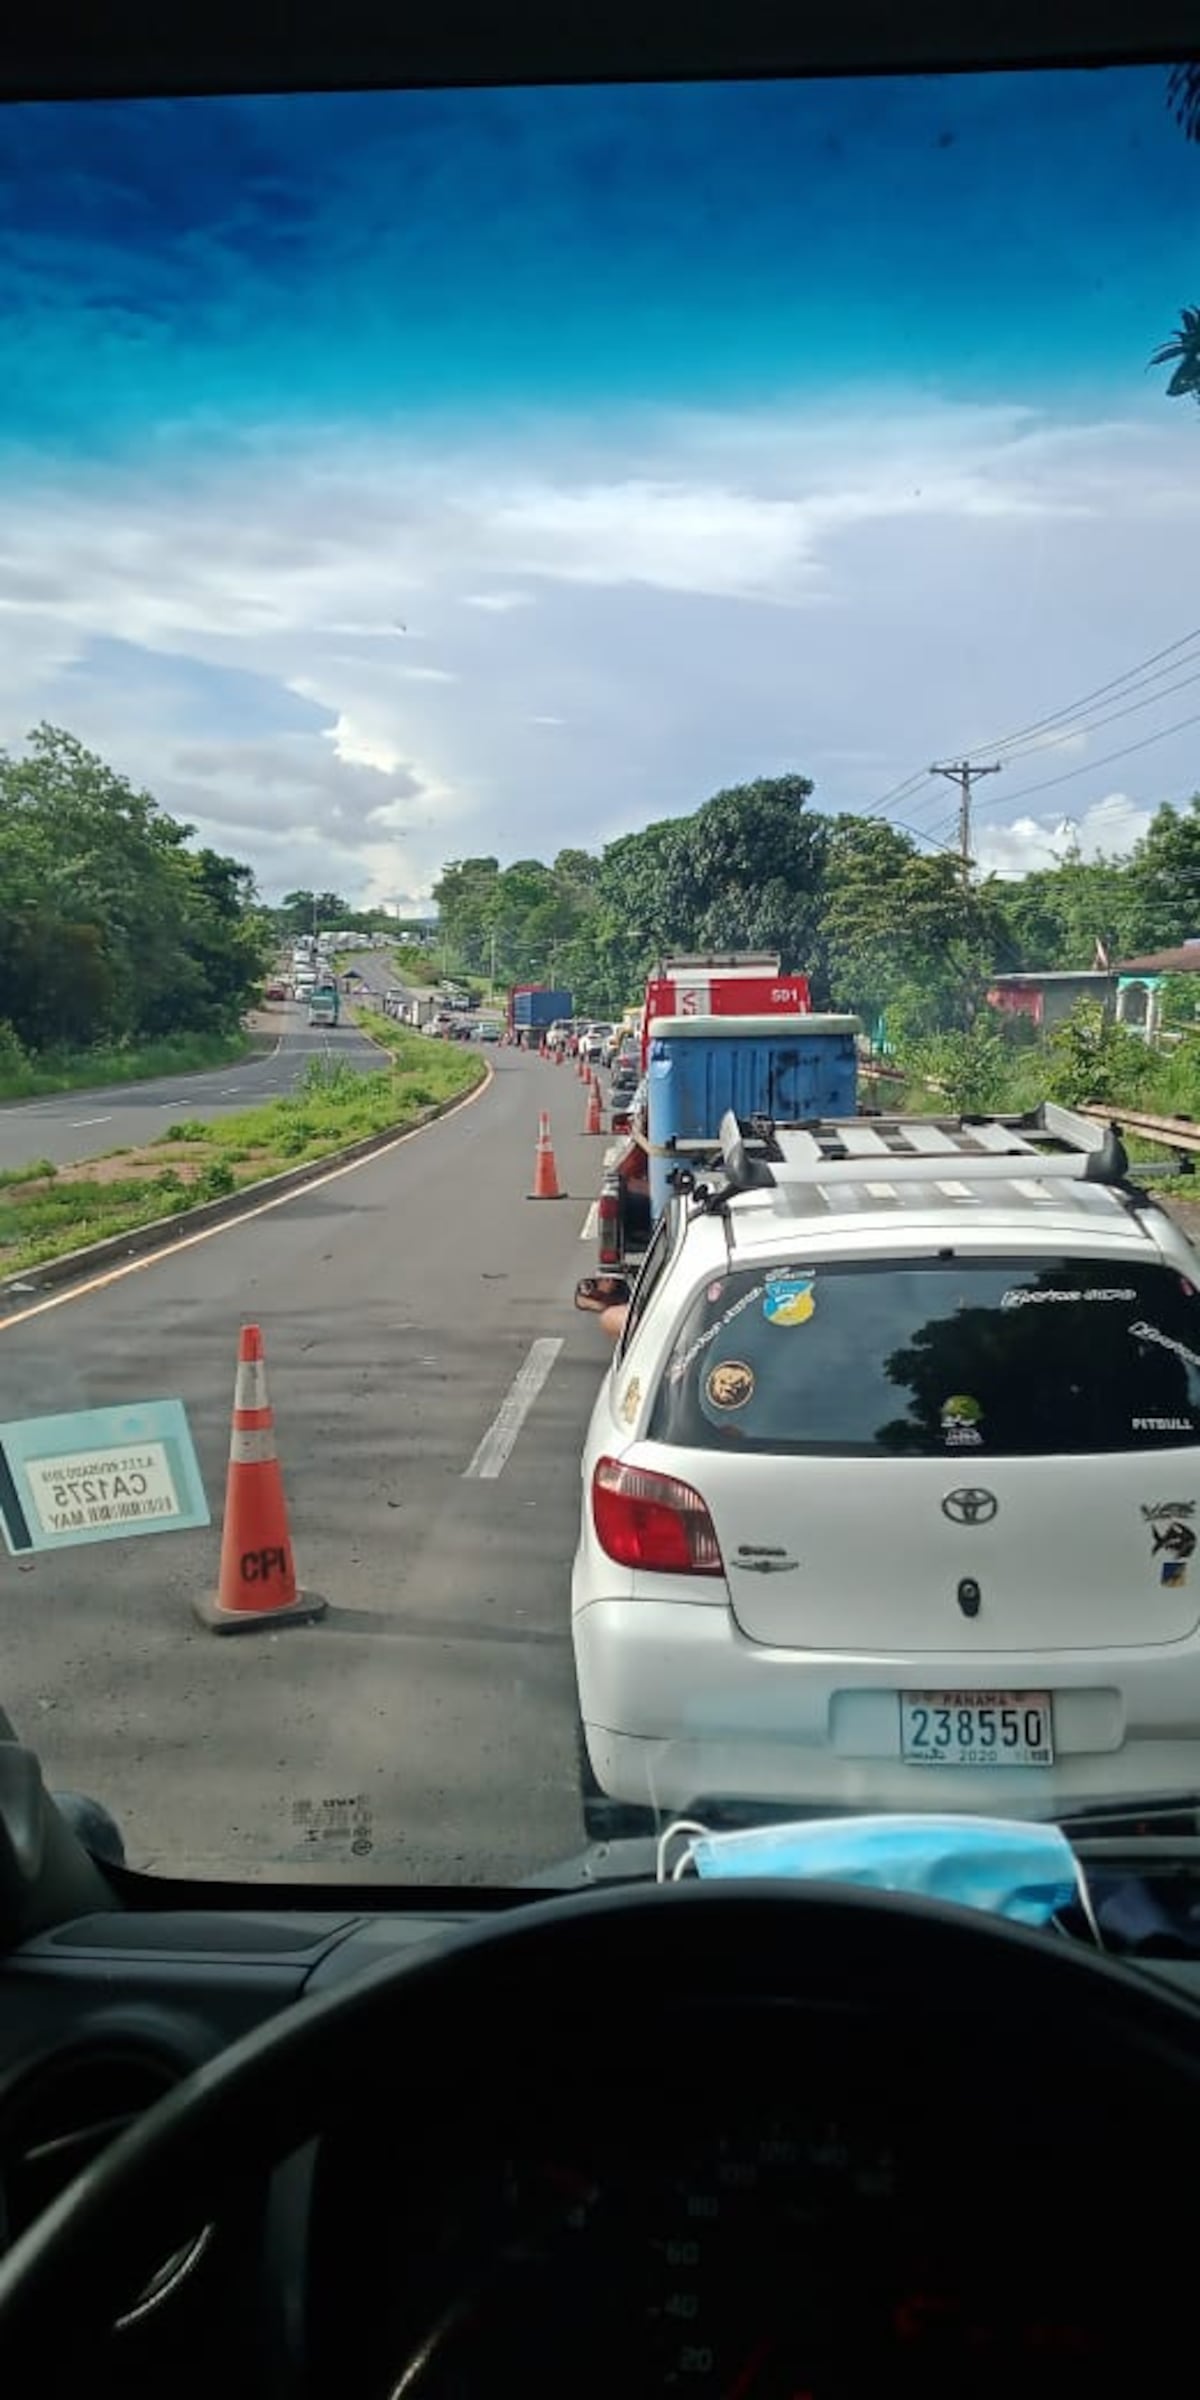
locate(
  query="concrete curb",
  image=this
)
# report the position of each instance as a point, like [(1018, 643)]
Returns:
[(160, 1232)]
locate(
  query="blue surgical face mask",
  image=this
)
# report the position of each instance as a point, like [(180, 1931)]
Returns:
[(1025, 1872)]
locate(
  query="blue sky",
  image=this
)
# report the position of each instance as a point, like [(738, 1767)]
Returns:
[(386, 477)]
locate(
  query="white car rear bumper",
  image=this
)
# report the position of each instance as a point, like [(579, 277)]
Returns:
[(679, 1708)]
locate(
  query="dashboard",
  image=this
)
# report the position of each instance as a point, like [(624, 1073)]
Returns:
[(749, 2198)]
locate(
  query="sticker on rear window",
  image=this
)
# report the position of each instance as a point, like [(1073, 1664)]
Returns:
[(789, 1299), (1141, 1332), (730, 1383), (1021, 1297), (961, 1417), (1173, 1572), (679, 1366)]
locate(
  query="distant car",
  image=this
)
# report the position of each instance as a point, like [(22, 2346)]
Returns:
[(487, 1030), (276, 989), (592, 1041)]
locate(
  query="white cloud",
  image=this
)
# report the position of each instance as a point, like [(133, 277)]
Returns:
[(1109, 828), (731, 596), (498, 603)]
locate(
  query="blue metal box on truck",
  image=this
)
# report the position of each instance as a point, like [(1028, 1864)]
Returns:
[(782, 1067)]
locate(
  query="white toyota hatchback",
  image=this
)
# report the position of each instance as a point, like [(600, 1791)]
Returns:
[(890, 1495)]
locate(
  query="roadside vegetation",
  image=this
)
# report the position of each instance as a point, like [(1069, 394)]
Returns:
[(29, 1076), (46, 1211), (116, 935)]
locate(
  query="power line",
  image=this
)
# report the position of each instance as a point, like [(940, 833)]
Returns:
[(919, 835), (1088, 699), (1075, 727), (1149, 669), (1027, 790)]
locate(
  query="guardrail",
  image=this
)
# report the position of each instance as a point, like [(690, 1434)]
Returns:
[(1177, 1133)]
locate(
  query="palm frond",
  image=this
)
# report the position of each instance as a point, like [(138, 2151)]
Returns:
[(1183, 98)]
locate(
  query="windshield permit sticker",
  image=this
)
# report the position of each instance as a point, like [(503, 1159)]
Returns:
[(961, 1418), (631, 1399), (730, 1383), (679, 1366), (713, 1293), (1173, 1572), (347, 1823), (789, 1299), (99, 1475), (1141, 1332)]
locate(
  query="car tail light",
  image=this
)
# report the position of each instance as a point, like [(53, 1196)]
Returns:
[(653, 1521), (608, 1226)]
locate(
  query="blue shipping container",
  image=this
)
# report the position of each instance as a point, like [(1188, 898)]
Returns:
[(781, 1067), (540, 1007)]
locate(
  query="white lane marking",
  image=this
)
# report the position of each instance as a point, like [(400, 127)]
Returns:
[(227, 1088), (262, 1208), (78, 1122), (590, 1222), (497, 1444)]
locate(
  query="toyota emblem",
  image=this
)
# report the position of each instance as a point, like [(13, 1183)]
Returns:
[(970, 1506)]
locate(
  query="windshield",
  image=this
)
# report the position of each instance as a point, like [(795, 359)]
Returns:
[(492, 579)]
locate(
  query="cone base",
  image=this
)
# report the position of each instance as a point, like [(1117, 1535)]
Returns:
[(547, 1195), (305, 1609)]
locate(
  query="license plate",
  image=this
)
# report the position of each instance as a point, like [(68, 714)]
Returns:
[(976, 1729)]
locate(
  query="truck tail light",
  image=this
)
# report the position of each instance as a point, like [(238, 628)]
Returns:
[(653, 1521), (608, 1225)]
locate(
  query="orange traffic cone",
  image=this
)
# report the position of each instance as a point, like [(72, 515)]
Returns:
[(545, 1173), (592, 1123), (257, 1583)]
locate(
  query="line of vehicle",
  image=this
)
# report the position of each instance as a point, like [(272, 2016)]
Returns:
[(498, 1442)]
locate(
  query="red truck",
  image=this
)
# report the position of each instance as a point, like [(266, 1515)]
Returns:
[(732, 983)]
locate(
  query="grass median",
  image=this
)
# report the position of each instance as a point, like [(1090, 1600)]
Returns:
[(46, 1211)]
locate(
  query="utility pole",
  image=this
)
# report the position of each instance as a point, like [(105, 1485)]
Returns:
[(961, 772)]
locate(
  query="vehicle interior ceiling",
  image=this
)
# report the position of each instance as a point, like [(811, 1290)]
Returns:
[(743, 2138)]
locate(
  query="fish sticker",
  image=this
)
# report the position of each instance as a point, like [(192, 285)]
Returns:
[(730, 1383), (1178, 1540), (789, 1299)]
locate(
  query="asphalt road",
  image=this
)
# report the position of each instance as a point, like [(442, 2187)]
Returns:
[(73, 1125), (401, 1303)]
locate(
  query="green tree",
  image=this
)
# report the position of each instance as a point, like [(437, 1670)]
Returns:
[(112, 927), (901, 936), (1091, 1058), (1163, 880)]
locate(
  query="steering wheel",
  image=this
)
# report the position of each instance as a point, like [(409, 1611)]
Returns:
[(504, 2006)]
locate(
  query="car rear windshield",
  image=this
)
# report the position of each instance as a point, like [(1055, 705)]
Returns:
[(920, 1358)]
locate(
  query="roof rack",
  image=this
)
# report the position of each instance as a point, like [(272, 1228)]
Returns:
[(758, 1154)]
